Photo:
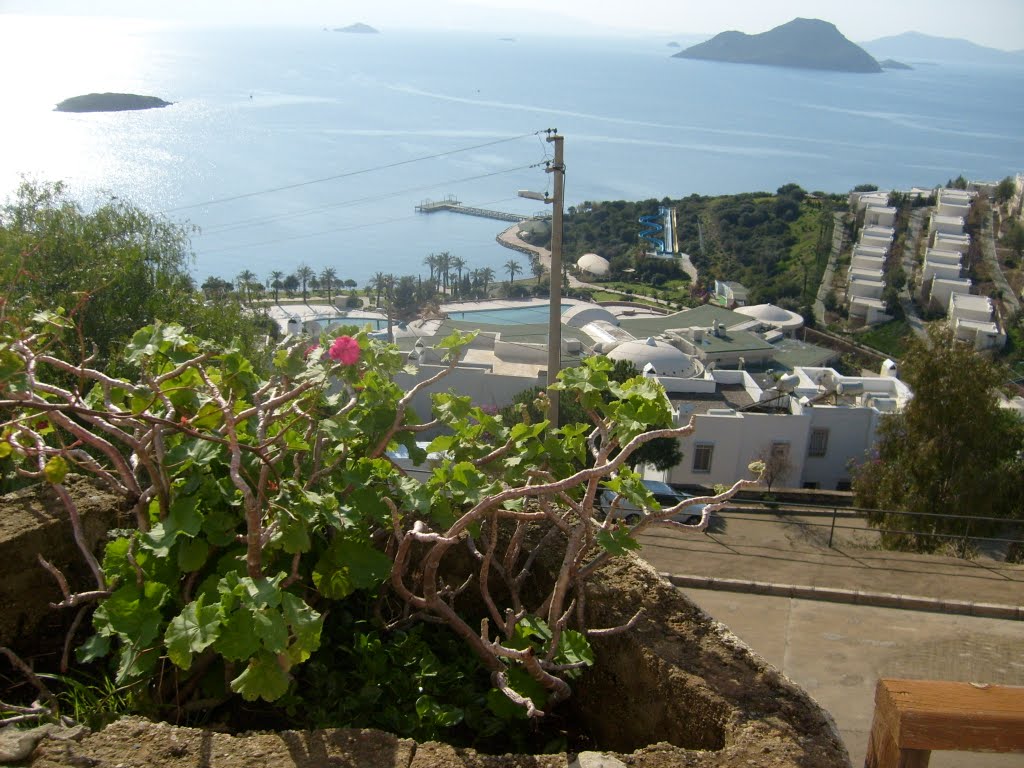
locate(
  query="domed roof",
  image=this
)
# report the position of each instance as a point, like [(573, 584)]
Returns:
[(594, 264), (579, 315), (666, 359), (770, 314)]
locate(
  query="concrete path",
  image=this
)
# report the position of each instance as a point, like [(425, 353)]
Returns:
[(838, 651), (838, 241), (910, 268), (988, 252)]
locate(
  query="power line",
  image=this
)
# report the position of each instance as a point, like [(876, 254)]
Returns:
[(260, 220), (333, 230), (345, 175)]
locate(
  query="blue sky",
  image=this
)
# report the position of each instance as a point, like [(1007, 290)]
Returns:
[(994, 23)]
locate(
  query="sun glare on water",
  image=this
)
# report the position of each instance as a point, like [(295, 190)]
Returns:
[(46, 60)]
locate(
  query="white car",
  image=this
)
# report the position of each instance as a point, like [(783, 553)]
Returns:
[(663, 493)]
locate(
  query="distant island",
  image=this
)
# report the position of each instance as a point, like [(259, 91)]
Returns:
[(801, 43), (918, 47), (893, 64), (110, 102), (359, 29)]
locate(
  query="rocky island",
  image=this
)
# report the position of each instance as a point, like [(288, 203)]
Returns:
[(110, 102), (801, 43), (359, 29)]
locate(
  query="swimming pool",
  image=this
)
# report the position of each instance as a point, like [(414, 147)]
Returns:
[(538, 313)]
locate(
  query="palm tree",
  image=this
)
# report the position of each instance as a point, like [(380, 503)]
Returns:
[(245, 279), (275, 282), (444, 265), (486, 275), (536, 268), (431, 261), (458, 264), (328, 278), (513, 268), (377, 283), (304, 274)]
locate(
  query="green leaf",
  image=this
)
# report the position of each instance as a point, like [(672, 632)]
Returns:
[(237, 640), (348, 565), (271, 629), (135, 617), (96, 647), (306, 625), (262, 679), (573, 648), (617, 540), (192, 554), (192, 631), (55, 470)]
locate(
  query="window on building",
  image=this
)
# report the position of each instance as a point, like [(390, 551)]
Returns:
[(780, 451), (843, 485), (702, 453), (819, 442)]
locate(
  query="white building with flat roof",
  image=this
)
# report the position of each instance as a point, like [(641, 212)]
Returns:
[(948, 225), (861, 201), (872, 251), (945, 241), (880, 237), (938, 256), (873, 311), (865, 286), (867, 262), (942, 288), (971, 318), (932, 268), (819, 420), (880, 216)]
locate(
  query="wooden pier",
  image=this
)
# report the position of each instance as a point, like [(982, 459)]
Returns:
[(451, 204)]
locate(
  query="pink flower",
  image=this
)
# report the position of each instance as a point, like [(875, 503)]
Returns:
[(344, 350)]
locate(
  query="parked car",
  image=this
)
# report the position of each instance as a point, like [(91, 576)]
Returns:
[(663, 493)]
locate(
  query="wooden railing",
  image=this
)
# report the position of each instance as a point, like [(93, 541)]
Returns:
[(915, 717)]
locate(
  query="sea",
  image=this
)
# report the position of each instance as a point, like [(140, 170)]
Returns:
[(304, 146)]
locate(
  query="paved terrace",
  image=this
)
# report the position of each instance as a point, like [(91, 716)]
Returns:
[(753, 571)]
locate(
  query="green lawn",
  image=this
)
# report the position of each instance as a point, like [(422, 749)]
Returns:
[(890, 338)]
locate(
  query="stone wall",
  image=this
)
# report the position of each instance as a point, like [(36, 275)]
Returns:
[(33, 521)]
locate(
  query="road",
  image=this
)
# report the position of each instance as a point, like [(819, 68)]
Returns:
[(838, 651)]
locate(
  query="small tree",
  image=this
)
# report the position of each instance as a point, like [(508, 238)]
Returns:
[(776, 462), (952, 451)]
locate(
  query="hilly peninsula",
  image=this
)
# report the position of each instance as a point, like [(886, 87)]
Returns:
[(110, 102), (801, 43)]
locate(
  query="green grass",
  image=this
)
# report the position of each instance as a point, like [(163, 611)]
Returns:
[(890, 338)]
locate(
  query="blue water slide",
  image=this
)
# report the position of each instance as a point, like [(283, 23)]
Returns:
[(653, 229)]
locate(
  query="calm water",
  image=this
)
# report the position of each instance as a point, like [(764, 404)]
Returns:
[(262, 109), (512, 316)]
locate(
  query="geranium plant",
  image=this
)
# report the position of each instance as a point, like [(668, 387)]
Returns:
[(258, 502)]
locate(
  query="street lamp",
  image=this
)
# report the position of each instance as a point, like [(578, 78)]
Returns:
[(557, 167)]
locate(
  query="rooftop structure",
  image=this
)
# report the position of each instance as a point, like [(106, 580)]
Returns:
[(594, 264), (815, 418)]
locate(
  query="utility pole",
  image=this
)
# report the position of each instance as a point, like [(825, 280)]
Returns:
[(557, 167), (555, 317)]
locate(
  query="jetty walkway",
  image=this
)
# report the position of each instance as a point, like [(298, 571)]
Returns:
[(451, 204)]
